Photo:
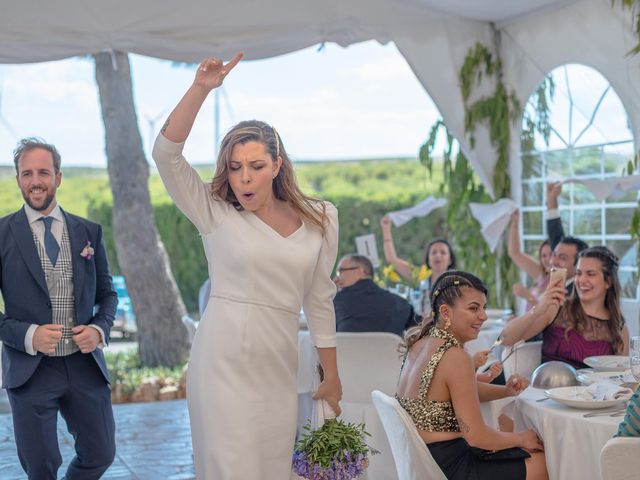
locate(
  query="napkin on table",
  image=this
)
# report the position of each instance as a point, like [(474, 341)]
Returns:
[(608, 390)]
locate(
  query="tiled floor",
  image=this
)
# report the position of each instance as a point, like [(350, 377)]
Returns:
[(153, 442)]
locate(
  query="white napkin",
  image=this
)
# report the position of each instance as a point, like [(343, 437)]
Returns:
[(613, 188), (493, 218), (607, 390), (422, 209), (322, 412)]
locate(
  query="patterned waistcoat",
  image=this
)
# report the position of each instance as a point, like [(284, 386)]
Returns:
[(60, 284)]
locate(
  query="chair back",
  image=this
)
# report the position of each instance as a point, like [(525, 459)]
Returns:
[(619, 459), (524, 360), (369, 361), (631, 312), (412, 457), (191, 326)]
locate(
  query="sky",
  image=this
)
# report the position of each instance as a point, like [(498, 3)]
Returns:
[(326, 103)]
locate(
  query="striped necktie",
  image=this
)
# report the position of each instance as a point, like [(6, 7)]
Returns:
[(50, 245)]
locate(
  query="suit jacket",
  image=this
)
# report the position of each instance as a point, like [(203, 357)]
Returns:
[(26, 297), (365, 307)]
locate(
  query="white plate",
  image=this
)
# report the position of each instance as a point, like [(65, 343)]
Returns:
[(570, 396), (608, 363), (587, 376)]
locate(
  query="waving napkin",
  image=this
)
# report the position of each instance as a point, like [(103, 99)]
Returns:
[(422, 209), (607, 390), (613, 188), (493, 219)]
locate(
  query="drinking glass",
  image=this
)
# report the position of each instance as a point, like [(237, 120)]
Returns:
[(634, 354)]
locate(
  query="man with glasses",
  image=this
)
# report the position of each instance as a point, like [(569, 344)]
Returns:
[(362, 306)]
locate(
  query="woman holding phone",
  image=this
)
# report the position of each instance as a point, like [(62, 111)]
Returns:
[(588, 323)]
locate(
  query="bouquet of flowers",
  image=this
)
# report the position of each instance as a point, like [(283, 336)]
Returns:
[(418, 275), (335, 451)]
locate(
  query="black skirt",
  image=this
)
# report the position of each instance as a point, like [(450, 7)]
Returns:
[(459, 461)]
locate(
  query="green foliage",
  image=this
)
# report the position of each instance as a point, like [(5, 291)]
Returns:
[(461, 187), (497, 111), (536, 119), (126, 369), (322, 445), (634, 6)]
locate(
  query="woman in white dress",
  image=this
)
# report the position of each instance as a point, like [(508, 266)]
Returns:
[(270, 251)]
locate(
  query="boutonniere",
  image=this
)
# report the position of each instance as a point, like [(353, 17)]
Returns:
[(87, 252)]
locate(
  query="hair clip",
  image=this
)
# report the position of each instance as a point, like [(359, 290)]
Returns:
[(456, 282), (436, 293)]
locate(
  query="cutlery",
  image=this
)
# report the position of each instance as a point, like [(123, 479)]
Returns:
[(543, 399), (515, 347), (603, 412), (497, 343)]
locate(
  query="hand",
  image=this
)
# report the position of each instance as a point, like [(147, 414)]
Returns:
[(516, 385), (385, 223), (87, 338), (480, 358), (46, 337), (555, 294), (212, 71), (491, 374), (330, 390), (529, 440), (553, 192)]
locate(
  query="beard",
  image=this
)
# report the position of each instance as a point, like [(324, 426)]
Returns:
[(45, 204)]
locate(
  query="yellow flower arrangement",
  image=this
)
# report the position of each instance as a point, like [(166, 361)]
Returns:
[(418, 274)]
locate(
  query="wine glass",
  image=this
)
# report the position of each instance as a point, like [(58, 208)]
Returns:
[(634, 357)]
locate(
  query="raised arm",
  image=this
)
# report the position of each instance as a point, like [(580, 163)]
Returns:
[(522, 260), (402, 266), (555, 231), (535, 320), (210, 75)]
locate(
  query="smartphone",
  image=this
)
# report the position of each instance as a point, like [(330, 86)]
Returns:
[(557, 273)]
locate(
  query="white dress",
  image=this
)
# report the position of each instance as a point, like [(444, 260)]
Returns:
[(241, 381)]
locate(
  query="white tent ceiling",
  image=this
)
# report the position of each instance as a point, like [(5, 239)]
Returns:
[(533, 36)]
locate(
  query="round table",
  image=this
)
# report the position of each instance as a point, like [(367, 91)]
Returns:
[(572, 443)]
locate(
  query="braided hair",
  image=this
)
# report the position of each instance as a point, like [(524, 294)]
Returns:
[(447, 289)]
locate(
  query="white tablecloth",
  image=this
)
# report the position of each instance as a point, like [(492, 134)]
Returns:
[(572, 443)]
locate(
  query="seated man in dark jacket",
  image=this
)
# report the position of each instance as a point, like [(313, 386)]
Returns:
[(362, 306)]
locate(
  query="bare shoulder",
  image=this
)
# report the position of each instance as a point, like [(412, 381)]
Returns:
[(456, 358)]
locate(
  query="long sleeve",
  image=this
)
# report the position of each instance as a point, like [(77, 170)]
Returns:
[(318, 300), (191, 195), (555, 231)]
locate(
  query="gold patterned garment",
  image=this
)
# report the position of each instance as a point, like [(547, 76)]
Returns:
[(431, 415)]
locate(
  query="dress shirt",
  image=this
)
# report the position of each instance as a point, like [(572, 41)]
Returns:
[(57, 227)]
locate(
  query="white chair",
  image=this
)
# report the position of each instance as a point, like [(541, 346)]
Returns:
[(412, 457), (369, 361), (631, 312), (524, 360), (620, 459)]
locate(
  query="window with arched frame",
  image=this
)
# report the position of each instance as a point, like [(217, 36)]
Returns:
[(587, 137)]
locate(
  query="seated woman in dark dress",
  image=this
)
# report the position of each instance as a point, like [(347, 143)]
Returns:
[(438, 389), (588, 323)]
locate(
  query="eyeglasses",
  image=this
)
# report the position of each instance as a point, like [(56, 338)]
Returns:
[(345, 269)]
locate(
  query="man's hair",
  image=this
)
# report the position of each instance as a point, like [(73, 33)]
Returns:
[(31, 143), (576, 242), (361, 261)]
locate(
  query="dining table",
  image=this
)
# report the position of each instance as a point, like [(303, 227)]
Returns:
[(572, 443)]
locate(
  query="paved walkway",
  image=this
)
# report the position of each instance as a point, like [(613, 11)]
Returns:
[(153, 442)]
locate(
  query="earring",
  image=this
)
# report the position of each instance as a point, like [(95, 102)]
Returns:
[(447, 324)]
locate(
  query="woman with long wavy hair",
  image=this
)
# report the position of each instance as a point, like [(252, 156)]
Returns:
[(588, 323), (270, 251)]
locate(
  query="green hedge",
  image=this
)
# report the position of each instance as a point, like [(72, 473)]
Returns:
[(184, 246)]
